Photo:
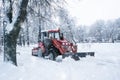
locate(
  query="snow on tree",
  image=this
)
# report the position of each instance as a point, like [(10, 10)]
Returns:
[(13, 29), (81, 34), (42, 16), (39, 17), (67, 24), (97, 30), (117, 24)]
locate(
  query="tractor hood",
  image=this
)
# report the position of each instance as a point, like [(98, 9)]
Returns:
[(65, 42)]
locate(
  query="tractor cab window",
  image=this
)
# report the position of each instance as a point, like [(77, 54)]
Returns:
[(61, 36), (57, 36), (54, 35), (51, 35), (44, 35)]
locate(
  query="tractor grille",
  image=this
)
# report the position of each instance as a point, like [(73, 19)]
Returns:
[(66, 47)]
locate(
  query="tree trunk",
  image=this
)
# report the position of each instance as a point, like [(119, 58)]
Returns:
[(11, 38), (28, 41), (10, 49)]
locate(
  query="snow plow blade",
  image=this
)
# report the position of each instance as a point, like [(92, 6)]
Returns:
[(72, 55), (84, 54), (78, 55)]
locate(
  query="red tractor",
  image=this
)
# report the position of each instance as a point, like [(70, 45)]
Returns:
[(52, 44)]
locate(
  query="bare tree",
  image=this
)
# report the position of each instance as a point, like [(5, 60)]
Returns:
[(67, 24), (11, 37), (40, 16), (97, 30)]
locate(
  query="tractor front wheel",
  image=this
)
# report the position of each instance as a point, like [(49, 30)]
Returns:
[(52, 55)]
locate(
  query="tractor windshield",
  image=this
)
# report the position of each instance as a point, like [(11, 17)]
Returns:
[(54, 35), (57, 35)]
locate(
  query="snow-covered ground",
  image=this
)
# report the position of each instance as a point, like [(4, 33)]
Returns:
[(104, 66)]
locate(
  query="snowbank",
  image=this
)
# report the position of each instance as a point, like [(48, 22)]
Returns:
[(104, 66)]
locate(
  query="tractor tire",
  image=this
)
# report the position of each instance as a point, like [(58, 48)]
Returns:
[(52, 55), (51, 52)]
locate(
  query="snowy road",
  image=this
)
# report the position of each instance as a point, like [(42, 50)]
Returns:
[(104, 66)]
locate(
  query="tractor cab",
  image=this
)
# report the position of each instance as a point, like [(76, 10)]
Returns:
[(54, 34), (60, 42), (51, 34)]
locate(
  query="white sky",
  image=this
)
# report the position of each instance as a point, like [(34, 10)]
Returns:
[(88, 11)]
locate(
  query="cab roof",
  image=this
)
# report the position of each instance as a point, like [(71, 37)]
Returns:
[(52, 30)]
